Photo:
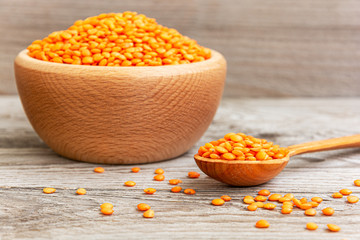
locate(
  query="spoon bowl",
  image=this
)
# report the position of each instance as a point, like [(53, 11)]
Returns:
[(251, 173)]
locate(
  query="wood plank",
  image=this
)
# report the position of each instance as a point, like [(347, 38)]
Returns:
[(27, 165), (277, 48)]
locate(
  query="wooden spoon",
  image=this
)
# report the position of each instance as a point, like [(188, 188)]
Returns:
[(250, 173)]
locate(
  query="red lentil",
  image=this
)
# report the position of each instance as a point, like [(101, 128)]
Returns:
[(49, 190), (262, 224), (286, 210), (81, 191), (176, 189), (252, 207), (174, 181), (135, 169), (274, 197), (260, 198), (357, 182), (226, 198), (345, 191), (107, 211), (337, 195), (193, 174), (118, 39), (264, 192), (189, 191), (311, 226), (248, 199), (328, 211), (242, 147), (269, 206), (149, 190), (143, 207), (317, 199), (333, 227), (130, 183), (99, 170), (305, 206), (352, 199), (149, 213), (159, 171), (218, 202), (310, 212), (159, 177), (259, 204), (106, 205)]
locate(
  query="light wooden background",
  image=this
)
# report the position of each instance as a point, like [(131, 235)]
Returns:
[(274, 48)]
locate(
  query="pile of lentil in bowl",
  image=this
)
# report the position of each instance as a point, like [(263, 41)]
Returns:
[(118, 39)]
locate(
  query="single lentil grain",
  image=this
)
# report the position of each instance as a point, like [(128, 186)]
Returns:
[(333, 227), (159, 177), (311, 226), (149, 190), (106, 205), (159, 171), (143, 207), (345, 191), (107, 211), (135, 169), (310, 212), (226, 198), (149, 213), (264, 192), (130, 183), (262, 224), (269, 206), (81, 191), (286, 210), (218, 202), (289, 196), (174, 181), (305, 206), (357, 182), (176, 189), (99, 170), (49, 190), (352, 199), (303, 200), (252, 207), (337, 195), (314, 204), (328, 211), (193, 174), (260, 198), (248, 200), (189, 191), (317, 199), (297, 202), (274, 197)]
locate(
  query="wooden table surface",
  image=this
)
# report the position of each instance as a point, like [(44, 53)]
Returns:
[(27, 166)]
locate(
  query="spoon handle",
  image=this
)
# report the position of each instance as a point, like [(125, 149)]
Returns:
[(324, 145)]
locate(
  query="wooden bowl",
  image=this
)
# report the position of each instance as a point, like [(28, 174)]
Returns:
[(120, 115)]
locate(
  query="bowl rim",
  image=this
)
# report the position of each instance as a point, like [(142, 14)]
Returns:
[(215, 57)]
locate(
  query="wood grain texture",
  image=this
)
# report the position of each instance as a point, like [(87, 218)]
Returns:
[(274, 48), (27, 165), (251, 173), (120, 115)]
